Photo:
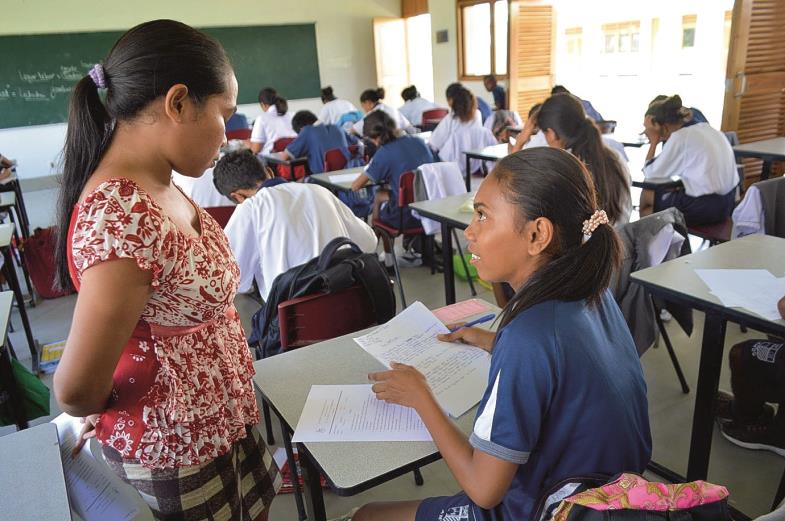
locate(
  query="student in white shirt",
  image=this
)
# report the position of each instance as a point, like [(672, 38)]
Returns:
[(272, 124), (333, 107), (463, 115), (370, 100), (279, 225), (695, 152), (414, 105)]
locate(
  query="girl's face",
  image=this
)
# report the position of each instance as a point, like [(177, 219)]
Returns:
[(503, 248), (553, 139), (367, 105)]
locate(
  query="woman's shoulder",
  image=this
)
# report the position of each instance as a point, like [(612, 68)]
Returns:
[(121, 189)]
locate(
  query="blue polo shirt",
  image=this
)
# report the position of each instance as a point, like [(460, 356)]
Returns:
[(565, 397), (314, 141), (484, 108), (499, 98)]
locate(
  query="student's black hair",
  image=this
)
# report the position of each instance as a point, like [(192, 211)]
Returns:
[(372, 95), (239, 170), (303, 118), (269, 96), (668, 110), (551, 183), (327, 94), (490, 78), (379, 124), (464, 104), (410, 93), (565, 115), (559, 89), (451, 89), (534, 109), (141, 67)]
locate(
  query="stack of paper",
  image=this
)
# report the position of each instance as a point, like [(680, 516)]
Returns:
[(755, 290)]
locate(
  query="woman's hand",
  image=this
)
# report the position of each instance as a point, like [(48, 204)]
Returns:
[(652, 130), (403, 385), (781, 307), (87, 432), (473, 336)]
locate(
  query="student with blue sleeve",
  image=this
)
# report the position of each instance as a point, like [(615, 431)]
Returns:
[(315, 140), (565, 394)]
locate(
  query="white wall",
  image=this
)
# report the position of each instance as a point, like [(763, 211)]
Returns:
[(344, 39)]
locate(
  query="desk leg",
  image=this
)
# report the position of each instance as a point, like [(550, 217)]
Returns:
[(21, 202), (712, 348), (468, 173), (13, 281), (314, 500), (765, 172), (449, 276), (293, 474)]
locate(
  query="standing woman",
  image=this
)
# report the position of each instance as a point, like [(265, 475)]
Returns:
[(156, 360)]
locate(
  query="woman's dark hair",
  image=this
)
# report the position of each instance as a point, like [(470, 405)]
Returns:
[(552, 183), (565, 115), (141, 67), (379, 124), (668, 110), (464, 104), (303, 118), (451, 89), (372, 95), (559, 89), (410, 93), (238, 170), (327, 94), (269, 96)]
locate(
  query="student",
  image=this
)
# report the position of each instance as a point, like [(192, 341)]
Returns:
[(315, 140), (272, 124), (333, 107), (278, 226), (696, 115), (371, 101), (587, 106), (156, 360), (698, 154), (757, 377), (564, 124), (463, 116), (499, 95), (562, 400), (414, 105)]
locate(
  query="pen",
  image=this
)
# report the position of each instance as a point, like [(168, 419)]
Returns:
[(484, 318)]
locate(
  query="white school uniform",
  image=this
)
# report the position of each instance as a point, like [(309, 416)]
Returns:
[(448, 127), (333, 110), (287, 225), (413, 109), (516, 119), (269, 127), (701, 156), (401, 122)]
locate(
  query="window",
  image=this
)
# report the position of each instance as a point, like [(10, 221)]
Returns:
[(688, 31), (622, 37), (574, 41), (482, 38)]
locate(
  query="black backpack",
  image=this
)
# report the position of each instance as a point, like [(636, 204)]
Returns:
[(334, 270)]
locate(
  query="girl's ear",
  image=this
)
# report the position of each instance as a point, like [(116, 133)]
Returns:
[(539, 235), (175, 101)]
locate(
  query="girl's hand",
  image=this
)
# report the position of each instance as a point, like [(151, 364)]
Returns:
[(652, 130), (781, 307), (87, 432), (403, 385), (474, 336)]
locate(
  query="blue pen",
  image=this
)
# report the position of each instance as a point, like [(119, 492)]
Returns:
[(484, 318)]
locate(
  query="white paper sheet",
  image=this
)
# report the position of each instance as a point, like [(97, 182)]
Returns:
[(94, 494), (755, 290), (457, 373), (353, 413), (344, 178)]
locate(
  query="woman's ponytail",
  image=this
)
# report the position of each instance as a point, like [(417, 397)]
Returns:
[(281, 105)]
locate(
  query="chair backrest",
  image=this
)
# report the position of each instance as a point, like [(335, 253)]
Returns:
[(434, 116), (406, 189), (239, 133), (334, 160), (221, 214), (315, 318), (281, 143)]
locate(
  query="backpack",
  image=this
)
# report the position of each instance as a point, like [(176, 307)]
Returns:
[(39, 259), (334, 270), (629, 497)]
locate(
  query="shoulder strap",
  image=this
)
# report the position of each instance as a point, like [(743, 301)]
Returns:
[(327, 253)]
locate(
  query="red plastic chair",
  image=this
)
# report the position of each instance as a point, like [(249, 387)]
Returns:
[(284, 170), (713, 233), (334, 160), (221, 214), (431, 118), (239, 133)]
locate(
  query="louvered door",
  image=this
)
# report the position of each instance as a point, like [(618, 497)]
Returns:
[(531, 54), (755, 80)]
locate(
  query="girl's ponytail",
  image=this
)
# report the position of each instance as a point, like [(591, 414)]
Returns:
[(281, 105)]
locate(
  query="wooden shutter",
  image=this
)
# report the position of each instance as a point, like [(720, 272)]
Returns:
[(531, 54), (413, 8), (755, 79)]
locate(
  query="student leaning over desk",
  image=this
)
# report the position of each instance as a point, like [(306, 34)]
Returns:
[(565, 394), (156, 359)]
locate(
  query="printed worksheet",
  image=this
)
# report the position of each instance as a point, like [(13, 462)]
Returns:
[(457, 373), (352, 413)]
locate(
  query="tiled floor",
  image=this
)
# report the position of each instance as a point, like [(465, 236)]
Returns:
[(751, 476)]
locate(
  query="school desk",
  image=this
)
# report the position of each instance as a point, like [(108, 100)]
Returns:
[(338, 179), (769, 150), (276, 158), (451, 212), (676, 281), (490, 153), (350, 467), (32, 480), (9, 271), (11, 184)]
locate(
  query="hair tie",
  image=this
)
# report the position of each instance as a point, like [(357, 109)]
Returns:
[(97, 75), (589, 225)]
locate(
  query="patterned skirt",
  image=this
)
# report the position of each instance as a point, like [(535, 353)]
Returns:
[(210, 491)]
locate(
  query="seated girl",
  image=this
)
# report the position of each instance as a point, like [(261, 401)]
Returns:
[(414, 105), (274, 123), (315, 140), (565, 394), (371, 101)]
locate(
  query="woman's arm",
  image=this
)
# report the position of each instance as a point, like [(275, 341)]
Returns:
[(111, 299), (360, 182), (256, 147)]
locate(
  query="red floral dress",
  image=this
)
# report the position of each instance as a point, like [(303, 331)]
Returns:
[(182, 392)]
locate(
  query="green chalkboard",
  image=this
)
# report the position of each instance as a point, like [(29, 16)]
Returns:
[(37, 72)]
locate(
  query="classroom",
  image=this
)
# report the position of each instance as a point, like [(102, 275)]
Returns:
[(422, 260)]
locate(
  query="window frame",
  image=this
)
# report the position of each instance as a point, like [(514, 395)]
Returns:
[(459, 5)]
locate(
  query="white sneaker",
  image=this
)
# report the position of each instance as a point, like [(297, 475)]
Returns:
[(665, 316)]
